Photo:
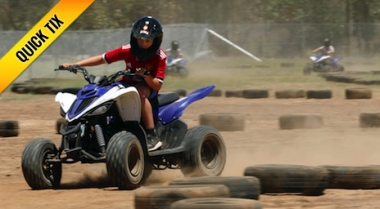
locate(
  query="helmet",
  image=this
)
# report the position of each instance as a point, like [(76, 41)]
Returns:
[(327, 42), (147, 28), (175, 45)]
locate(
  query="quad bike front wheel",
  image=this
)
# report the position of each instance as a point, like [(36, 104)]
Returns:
[(125, 162), (37, 171), (205, 154)]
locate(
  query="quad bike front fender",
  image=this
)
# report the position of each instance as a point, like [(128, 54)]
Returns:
[(170, 112), (65, 100)]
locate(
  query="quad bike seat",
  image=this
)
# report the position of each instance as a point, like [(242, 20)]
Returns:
[(166, 98)]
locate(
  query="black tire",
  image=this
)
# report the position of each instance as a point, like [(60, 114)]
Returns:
[(21, 88), (38, 173), (278, 178), (205, 153), (216, 203), (8, 132), (300, 121), (215, 93), (318, 94), (223, 121), (354, 177), (369, 120), (149, 197), (9, 124), (234, 93), (44, 90), (248, 187), (290, 94), (181, 92), (125, 161), (358, 93), (255, 94), (73, 90)]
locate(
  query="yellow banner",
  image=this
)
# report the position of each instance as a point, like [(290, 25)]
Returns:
[(39, 38)]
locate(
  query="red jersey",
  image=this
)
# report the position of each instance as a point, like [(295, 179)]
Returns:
[(156, 64)]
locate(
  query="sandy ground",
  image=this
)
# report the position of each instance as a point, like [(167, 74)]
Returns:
[(339, 142)]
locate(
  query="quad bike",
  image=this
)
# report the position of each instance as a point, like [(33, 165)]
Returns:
[(176, 67), (320, 65), (104, 126)]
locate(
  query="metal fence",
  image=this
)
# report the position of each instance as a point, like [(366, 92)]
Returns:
[(262, 40)]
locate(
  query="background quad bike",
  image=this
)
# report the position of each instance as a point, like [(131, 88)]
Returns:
[(323, 67)]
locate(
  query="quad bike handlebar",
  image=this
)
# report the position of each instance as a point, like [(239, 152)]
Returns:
[(102, 80)]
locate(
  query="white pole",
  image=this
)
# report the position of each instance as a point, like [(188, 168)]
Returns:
[(232, 44)]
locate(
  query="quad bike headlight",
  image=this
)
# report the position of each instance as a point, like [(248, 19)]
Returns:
[(100, 110)]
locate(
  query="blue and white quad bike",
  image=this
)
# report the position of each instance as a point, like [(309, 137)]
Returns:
[(176, 67), (104, 126), (319, 64)]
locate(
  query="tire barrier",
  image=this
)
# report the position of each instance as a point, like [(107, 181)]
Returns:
[(300, 121), (279, 178), (318, 94), (353, 177), (21, 88), (215, 93), (255, 93), (181, 92), (223, 121), (161, 197), (72, 90), (9, 128), (248, 187), (233, 93), (289, 94), (339, 77), (60, 121), (216, 203), (358, 93), (43, 90)]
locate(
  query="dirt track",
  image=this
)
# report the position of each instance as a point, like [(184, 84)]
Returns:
[(340, 142)]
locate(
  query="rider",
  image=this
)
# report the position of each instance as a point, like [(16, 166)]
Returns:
[(326, 49), (142, 56), (175, 51)]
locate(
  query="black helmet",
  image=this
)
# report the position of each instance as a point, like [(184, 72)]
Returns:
[(175, 45), (147, 28), (327, 42)]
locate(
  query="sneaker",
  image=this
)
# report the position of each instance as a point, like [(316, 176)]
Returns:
[(153, 143)]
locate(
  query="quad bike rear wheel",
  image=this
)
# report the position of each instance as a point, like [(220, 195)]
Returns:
[(307, 70), (183, 72), (37, 171), (339, 68), (205, 154), (125, 162)]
